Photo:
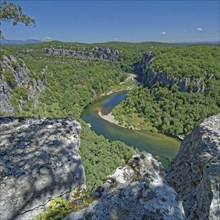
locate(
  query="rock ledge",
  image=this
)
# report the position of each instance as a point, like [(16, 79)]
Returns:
[(39, 160), (136, 191)]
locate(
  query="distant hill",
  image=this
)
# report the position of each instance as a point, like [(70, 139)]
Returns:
[(204, 42), (18, 42)]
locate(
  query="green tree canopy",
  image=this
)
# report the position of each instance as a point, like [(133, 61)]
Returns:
[(10, 12)]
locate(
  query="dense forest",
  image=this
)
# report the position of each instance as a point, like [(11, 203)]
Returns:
[(164, 108), (187, 61), (72, 83), (168, 111)]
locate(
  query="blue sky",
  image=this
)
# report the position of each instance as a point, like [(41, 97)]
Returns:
[(133, 21)]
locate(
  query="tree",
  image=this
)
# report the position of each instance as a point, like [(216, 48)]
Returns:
[(11, 12)]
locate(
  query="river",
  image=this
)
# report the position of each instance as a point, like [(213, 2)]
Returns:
[(154, 143)]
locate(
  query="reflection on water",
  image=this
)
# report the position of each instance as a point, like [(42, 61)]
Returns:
[(156, 144)]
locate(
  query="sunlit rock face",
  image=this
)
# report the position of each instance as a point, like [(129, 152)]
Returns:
[(152, 77), (136, 191), (195, 172), (17, 81), (97, 53), (39, 160)]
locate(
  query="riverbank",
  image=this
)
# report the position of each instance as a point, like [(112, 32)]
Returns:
[(127, 85), (102, 122), (110, 118)]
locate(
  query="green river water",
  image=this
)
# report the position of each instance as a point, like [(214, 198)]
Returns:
[(154, 143)]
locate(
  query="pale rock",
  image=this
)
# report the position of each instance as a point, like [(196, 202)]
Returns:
[(100, 53), (21, 77), (136, 191), (38, 162), (195, 172)]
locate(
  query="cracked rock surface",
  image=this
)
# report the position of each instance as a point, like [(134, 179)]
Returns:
[(195, 172), (39, 160), (136, 191)]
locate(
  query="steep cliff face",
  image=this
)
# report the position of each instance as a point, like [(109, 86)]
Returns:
[(136, 191), (39, 160), (151, 77), (100, 53), (195, 172), (16, 81)]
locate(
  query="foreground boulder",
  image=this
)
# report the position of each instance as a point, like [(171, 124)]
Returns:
[(39, 160), (195, 172), (136, 191)]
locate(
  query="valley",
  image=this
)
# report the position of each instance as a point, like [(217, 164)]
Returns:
[(178, 87)]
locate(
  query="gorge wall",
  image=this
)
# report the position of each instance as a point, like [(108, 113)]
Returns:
[(195, 172), (39, 160), (17, 81), (151, 77), (99, 53)]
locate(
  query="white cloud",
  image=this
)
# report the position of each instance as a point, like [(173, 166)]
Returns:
[(199, 29), (116, 38), (47, 38), (163, 33)]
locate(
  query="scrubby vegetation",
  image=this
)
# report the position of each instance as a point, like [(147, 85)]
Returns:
[(188, 61), (73, 83), (165, 108)]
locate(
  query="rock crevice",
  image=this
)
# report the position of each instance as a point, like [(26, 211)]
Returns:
[(39, 160), (195, 172), (136, 191)]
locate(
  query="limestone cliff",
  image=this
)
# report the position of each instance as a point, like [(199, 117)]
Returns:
[(139, 190), (195, 172), (151, 77), (16, 81), (99, 53), (39, 160), (136, 191)]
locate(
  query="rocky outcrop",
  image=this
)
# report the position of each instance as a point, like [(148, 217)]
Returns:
[(185, 84), (195, 172), (151, 77), (39, 160), (15, 75), (100, 53), (5, 97), (136, 191)]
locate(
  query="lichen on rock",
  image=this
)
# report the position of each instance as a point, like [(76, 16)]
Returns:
[(136, 191), (16, 80), (195, 172), (39, 160)]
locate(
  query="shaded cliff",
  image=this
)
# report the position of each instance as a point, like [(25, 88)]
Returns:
[(195, 172), (39, 160), (152, 77), (18, 85)]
